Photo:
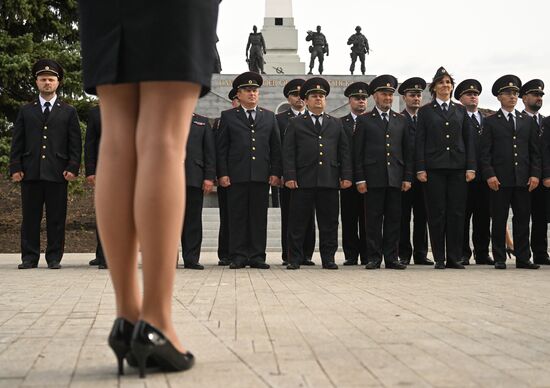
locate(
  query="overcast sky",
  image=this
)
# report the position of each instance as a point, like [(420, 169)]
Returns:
[(481, 39)]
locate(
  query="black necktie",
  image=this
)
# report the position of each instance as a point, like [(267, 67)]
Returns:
[(444, 107), (535, 117), (474, 120), (47, 110), (250, 117), (385, 119), (317, 123), (414, 120), (511, 121)]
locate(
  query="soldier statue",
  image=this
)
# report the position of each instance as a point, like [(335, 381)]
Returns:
[(318, 48), (360, 47), (256, 44)]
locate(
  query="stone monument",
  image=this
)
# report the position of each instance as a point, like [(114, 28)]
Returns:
[(281, 38)]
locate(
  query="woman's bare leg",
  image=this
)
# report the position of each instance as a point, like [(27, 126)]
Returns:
[(165, 112), (114, 194), (509, 241)]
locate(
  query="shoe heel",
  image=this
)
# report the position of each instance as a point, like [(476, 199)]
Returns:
[(120, 350), (141, 353)]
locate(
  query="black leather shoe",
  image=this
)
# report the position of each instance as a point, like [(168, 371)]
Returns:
[(424, 261), (95, 261), (236, 266), (292, 266), (439, 265), (372, 265), (405, 261), (102, 266), (27, 265), (150, 343), (224, 262), (454, 265), (500, 265), (259, 265), (485, 261), (193, 266), (350, 262), (285, 262), (542, 261), (54, 265), (308, 262), (331, 265), (527, 265), (396, 265), (465, 261)]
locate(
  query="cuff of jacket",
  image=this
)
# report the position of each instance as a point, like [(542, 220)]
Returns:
[(73, 167), (420, 166), (90, 169), (488, 172), (290, 175), (546, 173), (535, 171), (15, 166)]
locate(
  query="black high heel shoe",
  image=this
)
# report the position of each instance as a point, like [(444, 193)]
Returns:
[(119, 341), (510, 252), (150, 343)]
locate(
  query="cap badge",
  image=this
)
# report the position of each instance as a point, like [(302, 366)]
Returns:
[(511, 84), (417, 86), (318, 86), (360, 90), (250, 81), (298, 87), (388, 84), (540, 87), (471, 86), (443, 71), (47, 68)]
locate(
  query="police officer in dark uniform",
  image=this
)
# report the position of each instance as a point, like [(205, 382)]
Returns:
[(297, 108), (317, 163), (249, 161), (477, 204), (445, 160), (352, 203), (91, 151), (383, 169), (545, 155), (45, 154), (511, 165), (223, 232), (413, 199), (531, 93), (200, 172)]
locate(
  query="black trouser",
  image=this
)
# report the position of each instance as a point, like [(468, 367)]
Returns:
[(302, 203), (34, 194), (99, 254), (382, 221), (275, 196), (539, 226), (520, 200), (445, 207), (223, 234), (413, 201), (353, 224), (478, 210), (309, 242), (248, 203), (191, 235)]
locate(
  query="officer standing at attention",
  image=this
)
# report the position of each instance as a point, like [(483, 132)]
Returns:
[(317, 163), (445, 160), (45, 155), (532, 93), (511, 165), (383, 169), (352, 203), (477, 204), (297, 108), (223, 231), (200, 172), (249, 161), (91, 151), (413, 199)]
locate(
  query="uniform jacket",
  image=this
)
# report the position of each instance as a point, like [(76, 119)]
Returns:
[(44, 149), (91, 143), (511, 156), (245, 153), (478, 132), (282, 121), (382, 157), (200, 160), (316, 159), (444, 140)]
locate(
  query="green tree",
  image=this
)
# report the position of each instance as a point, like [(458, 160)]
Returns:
[(30, 30)]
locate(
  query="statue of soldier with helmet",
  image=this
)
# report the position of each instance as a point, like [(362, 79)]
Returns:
[(360, 47)]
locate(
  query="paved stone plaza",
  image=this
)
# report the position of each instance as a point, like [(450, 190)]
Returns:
[(279, 328)]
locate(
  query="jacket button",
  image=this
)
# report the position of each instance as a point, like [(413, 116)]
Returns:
[(388, 154), (387, 135), (448, 148), (447, 136), (43, 156), (515, 146), (45, 127), (45, 137), (387, 144), (320, 145), (388, 163), (253, 158), (253, 131), (253, 148), (515, 154), (516, 163), (44, 146), (447, 123), (321, 163), (320, 137), (514, 137), (253, 139), (320, 153)]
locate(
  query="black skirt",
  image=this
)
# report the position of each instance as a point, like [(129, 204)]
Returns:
[(130, 41)]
